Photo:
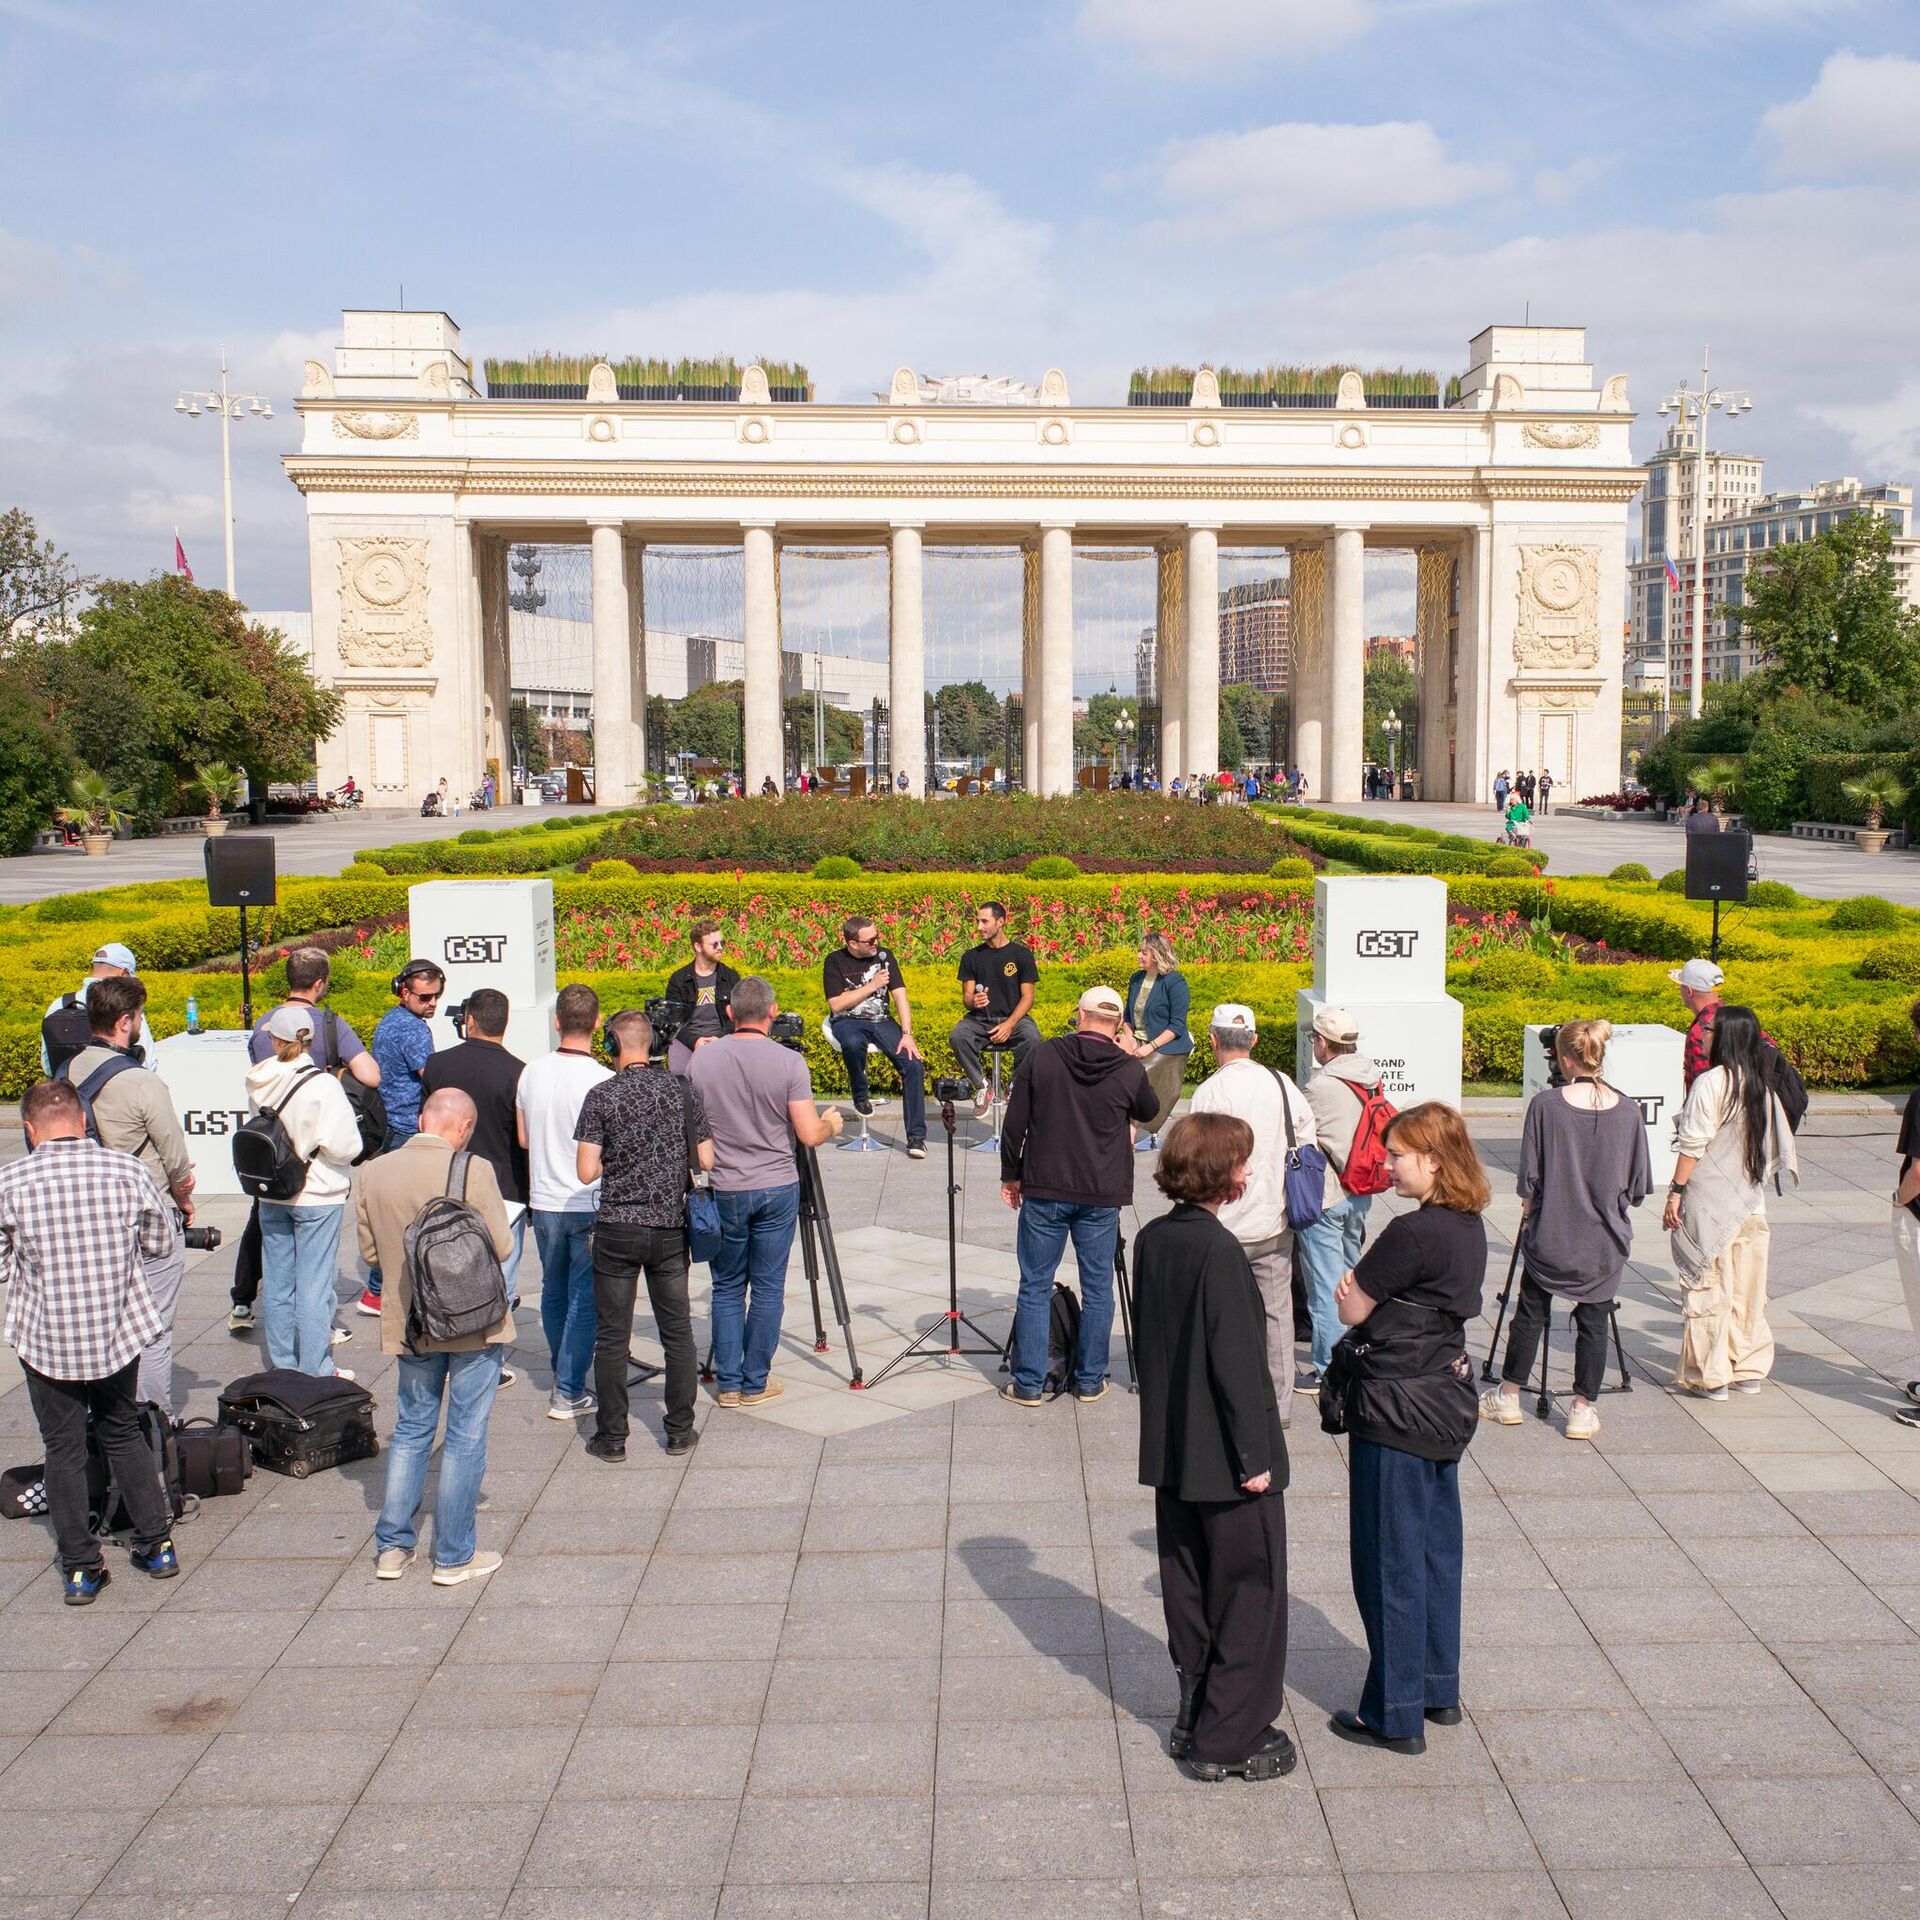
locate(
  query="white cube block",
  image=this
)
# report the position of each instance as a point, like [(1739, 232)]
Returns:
[(1416, 1042), (206, 1073), (489, 933), (1379, 937), (1645, 1064)]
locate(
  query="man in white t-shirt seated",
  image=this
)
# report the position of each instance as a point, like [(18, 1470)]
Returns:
[(564, 1211)]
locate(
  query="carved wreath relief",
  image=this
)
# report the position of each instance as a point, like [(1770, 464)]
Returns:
[(1559, 608), (376, 426), (383, 603), (1538, 433)]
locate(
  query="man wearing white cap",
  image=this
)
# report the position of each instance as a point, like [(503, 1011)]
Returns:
[(1267, 1101), (1699, 982), (1066, 1162), (64, 1031)]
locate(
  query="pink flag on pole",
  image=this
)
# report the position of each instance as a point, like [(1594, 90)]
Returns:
[(180, 556)]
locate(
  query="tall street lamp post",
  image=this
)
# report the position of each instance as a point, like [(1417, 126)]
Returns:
[(230, 407), (1694, 405), (1393, 726), (1123, 726)]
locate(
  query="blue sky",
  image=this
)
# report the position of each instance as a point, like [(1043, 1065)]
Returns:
[(1001, 187)]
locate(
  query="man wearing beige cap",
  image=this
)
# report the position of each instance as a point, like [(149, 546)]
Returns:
[(1066, 1162), (1699, 982)]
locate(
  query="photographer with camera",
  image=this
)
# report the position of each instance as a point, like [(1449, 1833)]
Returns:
[(997, 979), (858, 981), (702, 990), (1066, 1163), (132, 1112), (758, 1097), (1583, 1169)]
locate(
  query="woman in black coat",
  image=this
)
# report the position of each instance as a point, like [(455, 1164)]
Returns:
[(1212, 1450)]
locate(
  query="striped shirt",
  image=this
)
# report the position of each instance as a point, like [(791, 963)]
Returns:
[(75, 1219)]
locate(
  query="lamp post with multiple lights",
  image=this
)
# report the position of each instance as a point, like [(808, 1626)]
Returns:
[(1123, 728), (230, 407), (1393, 726), (1694, 405)]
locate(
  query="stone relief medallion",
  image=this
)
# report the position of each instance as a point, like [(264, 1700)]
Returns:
[(1206, 434), (906, 433), (1055, 433), (376, 426), (1559, 623), (383, 603), (1537, 433), (600, 429)]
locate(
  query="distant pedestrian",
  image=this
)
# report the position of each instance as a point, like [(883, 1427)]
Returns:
[(1702, 819), (1546, 794), (1502, 786), (1906, 1223), (79, 1224)]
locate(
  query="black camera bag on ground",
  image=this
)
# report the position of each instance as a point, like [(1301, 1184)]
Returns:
[(301, 1423), (105, 1502), (214, 1460), (1063, 1339)]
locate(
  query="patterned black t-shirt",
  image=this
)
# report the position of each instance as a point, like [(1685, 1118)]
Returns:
[(646, 1124)]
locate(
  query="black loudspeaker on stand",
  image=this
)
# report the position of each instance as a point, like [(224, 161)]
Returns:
[(1717, 866), (240, 873)]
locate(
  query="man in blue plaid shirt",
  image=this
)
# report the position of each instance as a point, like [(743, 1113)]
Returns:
[(76, 1221)]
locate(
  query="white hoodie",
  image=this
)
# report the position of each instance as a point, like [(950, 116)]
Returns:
[(320, 1120)]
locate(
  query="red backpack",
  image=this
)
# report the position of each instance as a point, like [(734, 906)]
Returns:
[(1366, 1168)]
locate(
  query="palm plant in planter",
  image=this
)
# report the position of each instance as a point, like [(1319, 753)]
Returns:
[(1878, 792), (221, 784), (1718, 780), (98, 808)]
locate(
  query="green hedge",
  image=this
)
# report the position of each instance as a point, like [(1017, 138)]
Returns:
[(1392, 846), (1828, 773)]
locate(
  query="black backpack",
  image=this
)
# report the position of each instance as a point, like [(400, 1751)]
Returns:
[(454, 1277), (1788, 1088), (369, 1109), (89, 1088), (65, 1033), (106, 1503), (1063, 1339), (265, 1160)]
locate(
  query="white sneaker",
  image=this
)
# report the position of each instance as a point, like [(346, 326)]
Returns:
[(477, 1568), (344, 1373), (341, 1335), (1706, 1393), (1501, 1408), (1748, 1386), (559, 1407), (1583, 1423)]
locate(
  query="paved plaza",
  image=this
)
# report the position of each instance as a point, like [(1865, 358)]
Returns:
[(900, 1653)]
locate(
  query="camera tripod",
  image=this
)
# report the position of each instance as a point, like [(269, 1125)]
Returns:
[(923, 1346), (1543, 1404)]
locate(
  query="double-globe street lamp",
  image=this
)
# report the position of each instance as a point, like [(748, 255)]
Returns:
[(230, 407), (1124, 725), (1694, 405), (1393, 726)]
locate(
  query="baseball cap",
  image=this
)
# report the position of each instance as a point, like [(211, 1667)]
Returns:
[(290, 1022), (1697, 976), (1338, 1025), (113, 954), (1230, 1014), (1102, 1000)]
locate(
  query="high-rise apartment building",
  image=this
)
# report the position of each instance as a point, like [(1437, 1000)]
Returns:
[(1256, 635)]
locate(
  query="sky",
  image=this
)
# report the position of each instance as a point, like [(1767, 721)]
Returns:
[(1092, 184)]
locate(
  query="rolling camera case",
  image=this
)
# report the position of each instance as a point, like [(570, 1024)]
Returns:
[(298, 1423)]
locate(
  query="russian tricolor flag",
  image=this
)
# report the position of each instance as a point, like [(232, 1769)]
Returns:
[(1673, 576)]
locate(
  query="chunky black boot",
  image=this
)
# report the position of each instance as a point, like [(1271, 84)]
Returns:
[(1180, 1740), (1269, 1761)]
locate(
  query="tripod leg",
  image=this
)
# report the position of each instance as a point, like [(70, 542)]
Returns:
[(830, 1259), (810, 1257), (1544, 1405), (1506, 1294), (1123, 1293), (1619, 1347)]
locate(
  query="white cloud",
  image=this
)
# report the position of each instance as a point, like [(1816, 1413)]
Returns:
[(1302, 174), (1555, 186), (1861, 119), (1202, 35), (30, 271)]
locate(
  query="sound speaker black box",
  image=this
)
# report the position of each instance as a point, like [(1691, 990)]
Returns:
[(1717, 865), (240, 873)]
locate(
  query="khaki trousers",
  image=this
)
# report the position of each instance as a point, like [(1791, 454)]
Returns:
[(1906, 1255), (1272, 1264), (1165, 1072), (1724, 1333)]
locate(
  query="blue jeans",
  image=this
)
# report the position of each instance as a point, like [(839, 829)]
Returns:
[(298, 1249), (1327, 1249), (1039, 1243), (750, 1283), (1404, 1537), (470, 1380), (565, 1241), (853, 1038)]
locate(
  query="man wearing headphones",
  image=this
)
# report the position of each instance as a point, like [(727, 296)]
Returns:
[(402, 1045)]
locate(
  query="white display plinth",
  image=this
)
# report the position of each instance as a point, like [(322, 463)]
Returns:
[(1380, 951), (206, 1073), (1646, 1065), (490, 933)]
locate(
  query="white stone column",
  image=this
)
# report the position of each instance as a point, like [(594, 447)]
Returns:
[(1170, 658), (1203, 652), (614, 771), (907, 662), (1346, 664), (634, 556), (1307, 685), (462, 729), (1056, 659), (490, 591), (761, 625), (1030, 701), (1473, 775), (1433, 603)]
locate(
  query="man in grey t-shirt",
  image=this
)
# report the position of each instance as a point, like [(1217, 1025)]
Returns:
[(759, 1101)]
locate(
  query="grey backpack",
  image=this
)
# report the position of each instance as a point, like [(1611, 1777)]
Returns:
[(453, 1273)]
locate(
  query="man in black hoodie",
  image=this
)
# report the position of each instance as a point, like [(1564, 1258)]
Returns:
[(1066, 1162)]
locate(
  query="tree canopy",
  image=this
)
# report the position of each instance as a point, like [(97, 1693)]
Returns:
[(38, 583)]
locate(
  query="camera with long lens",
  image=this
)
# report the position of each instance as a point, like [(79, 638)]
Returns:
[(200, 1239), (665, 1017), (1550, 1039), (948, 1092), (790, 1029)]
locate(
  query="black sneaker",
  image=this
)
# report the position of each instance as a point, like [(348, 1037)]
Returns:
[(863, 1106), (683, 1442), (607, 1449), (1912, 1391), (1274, 1758), (81, 1587), (1907, 1416), (161, 1561), (1307, 1379)]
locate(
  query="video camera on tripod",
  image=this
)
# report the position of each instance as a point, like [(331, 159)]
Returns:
[(666, 1017)]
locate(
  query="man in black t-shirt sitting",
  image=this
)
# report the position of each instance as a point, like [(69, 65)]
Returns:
[(858, 980), (997, 979)]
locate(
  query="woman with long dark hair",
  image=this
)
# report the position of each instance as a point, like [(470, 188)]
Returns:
[(1733, 1139), (1402, 1386)]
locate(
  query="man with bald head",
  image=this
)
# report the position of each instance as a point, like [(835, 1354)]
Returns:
[(465, 1372)]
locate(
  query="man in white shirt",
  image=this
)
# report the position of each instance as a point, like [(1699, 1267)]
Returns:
[(564, 1210), (1265, 1100)]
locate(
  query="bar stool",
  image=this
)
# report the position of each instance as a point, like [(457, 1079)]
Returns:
[(995, 1107), (863, 1141)]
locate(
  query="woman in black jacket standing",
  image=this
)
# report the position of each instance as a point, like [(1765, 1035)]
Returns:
[(1410, 1412), (1212, 1450)]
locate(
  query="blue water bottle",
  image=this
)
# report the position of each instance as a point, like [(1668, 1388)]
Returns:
[(193, 1014)]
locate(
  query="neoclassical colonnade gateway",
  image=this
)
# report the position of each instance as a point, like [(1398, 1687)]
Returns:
[(1514, 497)]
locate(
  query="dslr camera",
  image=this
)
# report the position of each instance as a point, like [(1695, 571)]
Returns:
[(666, 1017), (790, 1029), (950, 1092), (457, 1016), (1550, 1039)]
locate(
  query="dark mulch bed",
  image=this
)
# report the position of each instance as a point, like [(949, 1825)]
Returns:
[(1087, 864)]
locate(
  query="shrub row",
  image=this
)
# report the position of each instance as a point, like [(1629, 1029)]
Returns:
[(1397, 846)]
